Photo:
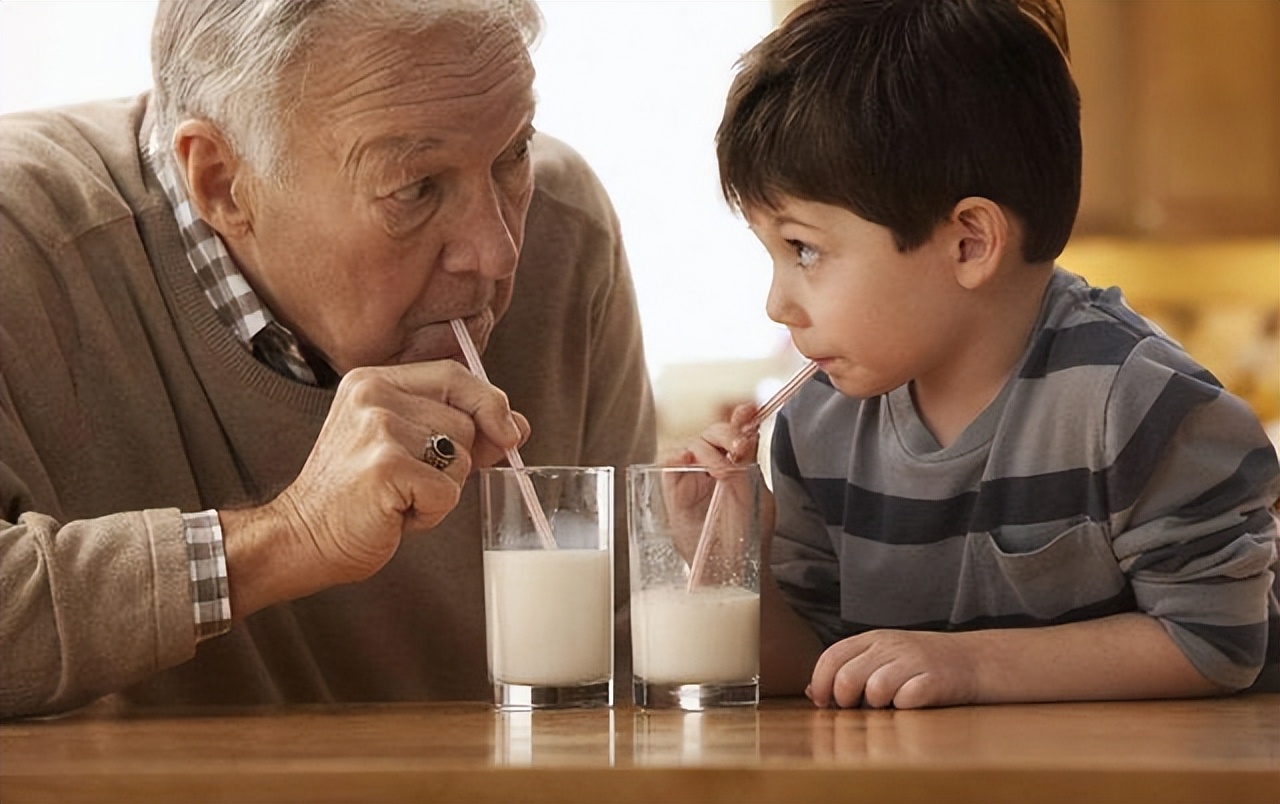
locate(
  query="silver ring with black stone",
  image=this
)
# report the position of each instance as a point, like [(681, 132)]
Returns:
[(439, 451)]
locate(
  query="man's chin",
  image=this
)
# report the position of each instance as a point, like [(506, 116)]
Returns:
[(429, 342), (411, 355), (437, 345)]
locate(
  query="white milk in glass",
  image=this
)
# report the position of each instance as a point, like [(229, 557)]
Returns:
[(707, 636), (549, 615)]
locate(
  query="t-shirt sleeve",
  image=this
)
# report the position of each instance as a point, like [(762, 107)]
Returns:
[(1193, 480)]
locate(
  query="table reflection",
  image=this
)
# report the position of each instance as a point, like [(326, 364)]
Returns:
[(691, 738), (1160, 752), (1036, 733), (555, 737)]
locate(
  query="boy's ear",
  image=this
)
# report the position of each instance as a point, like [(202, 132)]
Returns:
[(981, 236), (214, 176)]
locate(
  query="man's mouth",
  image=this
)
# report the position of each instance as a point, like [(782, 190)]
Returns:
[(435, 340)]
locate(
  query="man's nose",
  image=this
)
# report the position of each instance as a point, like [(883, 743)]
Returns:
[(483, 235)]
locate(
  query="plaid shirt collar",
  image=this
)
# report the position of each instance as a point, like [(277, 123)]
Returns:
[(230, 294)]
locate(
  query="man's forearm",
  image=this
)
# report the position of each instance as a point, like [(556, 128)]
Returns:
[(264, 562)]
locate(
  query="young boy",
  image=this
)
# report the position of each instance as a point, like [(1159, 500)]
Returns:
[(1005, 485)]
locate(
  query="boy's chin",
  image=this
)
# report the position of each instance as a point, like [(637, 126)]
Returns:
[(856, 387)]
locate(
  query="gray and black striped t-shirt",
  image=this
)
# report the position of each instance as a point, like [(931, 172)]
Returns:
[(1111, 474)]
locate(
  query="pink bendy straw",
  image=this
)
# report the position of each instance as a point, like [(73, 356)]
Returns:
[(713, 507), (539, 516)]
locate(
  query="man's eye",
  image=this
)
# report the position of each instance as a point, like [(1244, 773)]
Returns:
[(806, 255), (414, 192), (518, 153), (519, 150)]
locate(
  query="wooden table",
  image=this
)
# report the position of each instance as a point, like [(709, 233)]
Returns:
[(1173, 751)]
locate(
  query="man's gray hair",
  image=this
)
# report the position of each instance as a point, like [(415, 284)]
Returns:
[(225, 60)]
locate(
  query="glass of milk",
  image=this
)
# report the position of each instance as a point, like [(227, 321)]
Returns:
[(548, 608), (695, 614)]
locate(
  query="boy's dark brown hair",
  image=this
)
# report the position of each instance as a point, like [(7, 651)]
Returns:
[(897, 109)]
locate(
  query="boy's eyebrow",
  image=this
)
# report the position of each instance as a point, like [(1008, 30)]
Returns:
[(780, 219)]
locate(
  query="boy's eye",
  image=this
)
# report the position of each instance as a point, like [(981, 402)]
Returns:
[(806, 255)]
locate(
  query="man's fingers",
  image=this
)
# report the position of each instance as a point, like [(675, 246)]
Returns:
[(487, 453), (450, 383), (455, 466), (486, 404), (432, 494)]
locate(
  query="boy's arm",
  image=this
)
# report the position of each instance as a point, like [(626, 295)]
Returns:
[(788, 646), (799, 579), (1190, 481), (794, 550), (1122, 656), (1118, 657)]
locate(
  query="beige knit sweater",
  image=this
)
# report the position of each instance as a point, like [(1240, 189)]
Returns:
[(124, 401)]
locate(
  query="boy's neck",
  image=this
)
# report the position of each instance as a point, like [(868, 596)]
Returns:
[(1002, 315)]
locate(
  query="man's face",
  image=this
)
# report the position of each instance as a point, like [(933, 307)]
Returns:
[(405, 199)]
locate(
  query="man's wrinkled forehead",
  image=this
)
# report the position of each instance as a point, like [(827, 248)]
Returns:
[(415, 92), (341, 63)]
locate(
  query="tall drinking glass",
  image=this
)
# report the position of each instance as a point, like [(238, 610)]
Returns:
[(549, 610), (695, 632)]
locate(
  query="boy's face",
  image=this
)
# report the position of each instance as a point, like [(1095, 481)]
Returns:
[(872, 317)]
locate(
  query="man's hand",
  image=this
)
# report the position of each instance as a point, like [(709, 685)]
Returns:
[(364, 484)]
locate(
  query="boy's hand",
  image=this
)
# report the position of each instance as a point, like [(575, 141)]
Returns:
[(728, 442), (905, 669), (720, 446)]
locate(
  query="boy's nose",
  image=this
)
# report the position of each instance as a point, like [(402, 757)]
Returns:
[(780, 307)]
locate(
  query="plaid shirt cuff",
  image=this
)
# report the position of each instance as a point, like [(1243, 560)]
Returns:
[(210, 600)]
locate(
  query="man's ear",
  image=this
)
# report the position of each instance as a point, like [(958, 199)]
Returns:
[(981, 232), (214, 175)]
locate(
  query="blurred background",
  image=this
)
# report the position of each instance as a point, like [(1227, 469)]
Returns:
[(1181, 196)]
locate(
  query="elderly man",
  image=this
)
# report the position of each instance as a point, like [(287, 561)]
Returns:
[(227, 361)]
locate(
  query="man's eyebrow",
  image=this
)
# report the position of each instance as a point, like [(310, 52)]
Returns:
[(377, 155)]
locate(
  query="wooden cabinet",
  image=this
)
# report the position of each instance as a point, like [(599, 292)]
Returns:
[(1180, 118)]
